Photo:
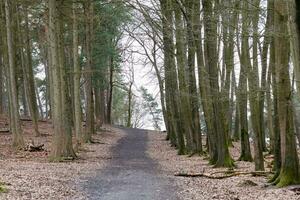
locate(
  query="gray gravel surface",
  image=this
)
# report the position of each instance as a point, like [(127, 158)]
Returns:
[(131, 174)]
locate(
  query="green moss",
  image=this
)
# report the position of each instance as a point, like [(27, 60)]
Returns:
[(286, 179), (273, 179), (227, 162), (55, 159), (3, 189)]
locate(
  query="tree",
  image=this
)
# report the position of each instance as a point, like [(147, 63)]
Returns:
[(62, 141), (243, 93), (90, 129), (175, 128), (289, 172), (222, 157), (151, 106), (29, 84), (77, 73), (15, 126), (191, 15)]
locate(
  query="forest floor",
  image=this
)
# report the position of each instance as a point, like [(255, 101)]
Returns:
[(242, 187), (30, 175), (123, 164)]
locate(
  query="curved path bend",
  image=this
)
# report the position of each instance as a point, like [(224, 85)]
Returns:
[(131, 174)]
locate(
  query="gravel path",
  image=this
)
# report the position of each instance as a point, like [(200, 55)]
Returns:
[(131, 174)]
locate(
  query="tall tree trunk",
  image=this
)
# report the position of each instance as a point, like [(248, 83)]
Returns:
[(237, 123), (62, 141), (171, 85), (29, 77), (90, 129), (205, 91), (191, 18), (40, 105), (277, 138), (110, 91), (270, 122), (185, 107), (1, 76), (210, 29), (76, 79), (159, 78), (289, 172), (295, 40), (242, 102), (18, 141), (228, 63), (242, 92), (129, 110), (102, 106), (252, 75)]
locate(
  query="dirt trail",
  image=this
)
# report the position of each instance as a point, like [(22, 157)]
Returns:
[(131, 174)]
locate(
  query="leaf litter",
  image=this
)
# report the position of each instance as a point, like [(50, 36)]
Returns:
[(245, 187)]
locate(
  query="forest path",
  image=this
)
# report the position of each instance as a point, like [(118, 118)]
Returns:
[(131, 174)]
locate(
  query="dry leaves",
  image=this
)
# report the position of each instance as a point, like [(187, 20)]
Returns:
[(233, 188), (29, 175)]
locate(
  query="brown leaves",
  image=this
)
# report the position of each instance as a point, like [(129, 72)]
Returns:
[(31, 176), (202, 188)]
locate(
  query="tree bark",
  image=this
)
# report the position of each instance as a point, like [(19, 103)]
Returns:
[(18, 141), (76, 79), (171, 84), (110, 91), (289, 172), (184, 96), (90, 129), (62, 141), (29, 77), (210, 29)]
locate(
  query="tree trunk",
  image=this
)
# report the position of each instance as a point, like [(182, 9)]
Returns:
[(62, 141), (129, 110), (289, 172), (18, 141), (90, 129), (185, 107), (110, 92), (252, 76), (76, 79), (210, 29), (205, 91), (242, 91), (1, 77), (191, 18), (174, 119), (29, 77)]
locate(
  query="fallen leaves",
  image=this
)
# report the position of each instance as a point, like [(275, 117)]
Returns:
[(245, 187), (30, 175)]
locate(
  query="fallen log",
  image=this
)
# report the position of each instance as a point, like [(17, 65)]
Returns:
[(30, 120), (228, 175), (34, 148), (4, 130)]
